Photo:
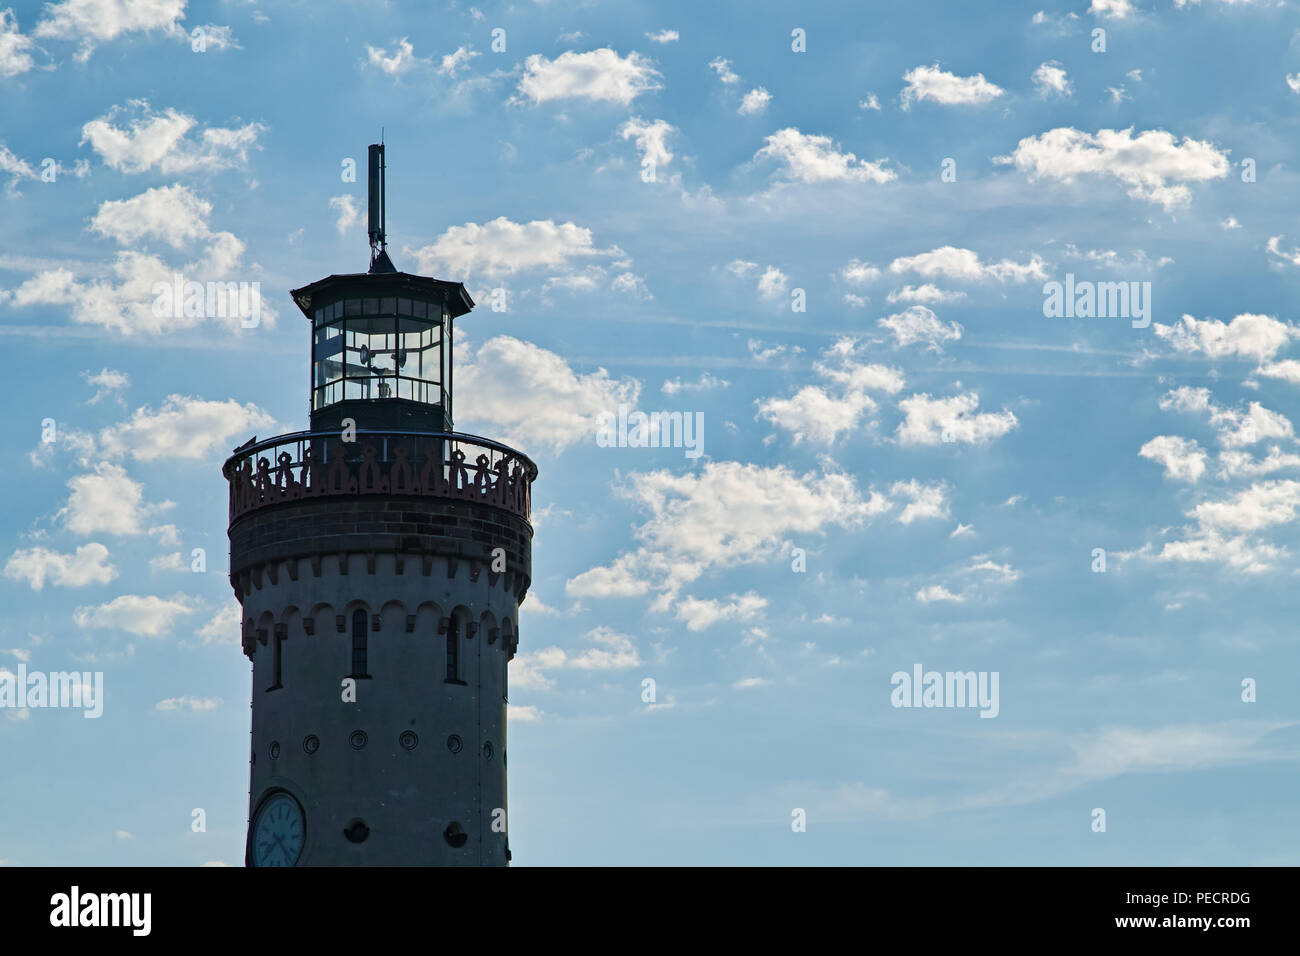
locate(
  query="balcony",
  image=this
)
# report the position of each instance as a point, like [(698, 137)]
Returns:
[(304, 466)]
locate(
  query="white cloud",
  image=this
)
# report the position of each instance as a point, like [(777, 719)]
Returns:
[(858, 273), (503, 248), (747, 682), (816, 414), (822, 414), (923, 501), (1050, 80), (663, 36), (1118, 750), (1112, 9), (190, 428), (930, 421), (723, 69), (1263, 504), (754, 102), (149, 139), (167, 535), (105, 500), (90, 22), (1288, 370), (632, 284), (168, 562), (17, 168), (1256, 337), (349, 214), (1293, 81), (599, 75), (1222, 530), (107, 383), (400, 61), (773, 283), (176, 217), (88, 565), (172, 214), (704, 383), (1182, 458), (215, 38), (999, 573), (224, 628), (193, 704), (937, 592), (702, 614), (808, 158), (452, 63), (1247, 556), (611, 651), (588, 279), (1097, 756), (14, 47), (525, 713), (651, 140), (919, 324), (964, 264), (531, 397), (947, 89), (1242, 464), (620, 578), (1235, 428), (726, 514), (872, 102), (1113, 259), (1274, 247), (927, 294), (1153, 164), (144, 616)]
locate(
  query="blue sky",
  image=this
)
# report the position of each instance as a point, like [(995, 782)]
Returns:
[(837, 256)]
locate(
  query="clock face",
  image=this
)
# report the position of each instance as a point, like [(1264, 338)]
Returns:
[(278, 831)]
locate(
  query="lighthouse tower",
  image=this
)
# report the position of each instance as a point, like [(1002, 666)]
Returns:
[(380, 558)]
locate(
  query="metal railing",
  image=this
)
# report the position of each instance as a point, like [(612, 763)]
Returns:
[(305, 465)]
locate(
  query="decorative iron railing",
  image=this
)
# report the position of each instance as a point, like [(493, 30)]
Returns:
[(306, 465)]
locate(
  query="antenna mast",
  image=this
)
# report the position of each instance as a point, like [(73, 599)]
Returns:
[(378, 222)]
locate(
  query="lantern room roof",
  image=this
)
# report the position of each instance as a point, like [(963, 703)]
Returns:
[(332, 287)]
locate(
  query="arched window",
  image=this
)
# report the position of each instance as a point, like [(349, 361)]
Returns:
[(277, 656), (453, 650), (359, 639)]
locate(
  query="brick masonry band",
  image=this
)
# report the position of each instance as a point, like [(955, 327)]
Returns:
[(368, 498)]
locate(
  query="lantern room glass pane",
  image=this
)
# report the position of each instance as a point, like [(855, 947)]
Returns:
[(327, 365), (378, 347)]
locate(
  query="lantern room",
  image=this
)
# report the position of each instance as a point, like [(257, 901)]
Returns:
[(381, 349), (381, 342)]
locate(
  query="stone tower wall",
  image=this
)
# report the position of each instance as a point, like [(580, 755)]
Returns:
[(415, 754)]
